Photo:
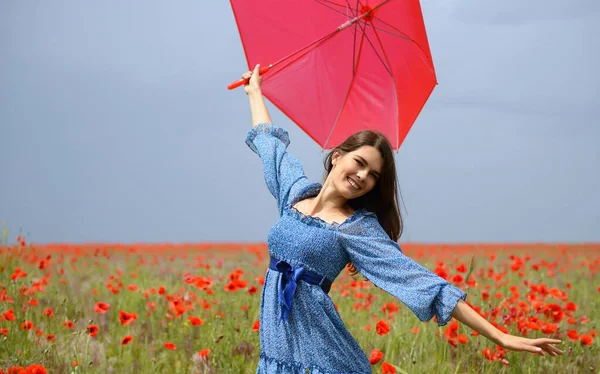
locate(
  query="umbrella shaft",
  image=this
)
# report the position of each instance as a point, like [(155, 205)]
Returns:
[(351, 21)]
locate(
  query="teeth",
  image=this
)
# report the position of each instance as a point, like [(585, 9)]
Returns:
[(353, 184)]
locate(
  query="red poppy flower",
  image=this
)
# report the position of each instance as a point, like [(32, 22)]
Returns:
[(27, 325), (92, 330), (101, 307), (387, 368), (571, 306), (204, 353), (127, 318), (48, 312), (170, 346), (458, 279), (36, 369), (573, 335), (68, 324), (256, 326), (586, 339), (9, 315), (376, 356), (195, 321), (16, 370), (126, 340), (390, 307), (133, 287), (382, 327)]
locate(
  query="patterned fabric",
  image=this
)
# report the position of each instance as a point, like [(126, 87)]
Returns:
[(314, 339)]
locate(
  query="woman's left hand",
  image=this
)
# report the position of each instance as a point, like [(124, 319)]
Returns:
[(540, 345)]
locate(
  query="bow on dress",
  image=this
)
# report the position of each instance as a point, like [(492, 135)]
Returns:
[(287, 286)]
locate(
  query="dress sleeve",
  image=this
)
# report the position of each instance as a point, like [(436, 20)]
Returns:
[(381, 260), (283, 172)]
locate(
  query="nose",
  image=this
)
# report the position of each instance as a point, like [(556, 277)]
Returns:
[(362, 175)]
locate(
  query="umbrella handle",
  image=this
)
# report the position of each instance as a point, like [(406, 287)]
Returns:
[(241, 82)]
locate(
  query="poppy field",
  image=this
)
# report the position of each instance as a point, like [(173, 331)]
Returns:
[(194, 308)]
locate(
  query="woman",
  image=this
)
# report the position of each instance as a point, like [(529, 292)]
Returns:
[(353, 218)]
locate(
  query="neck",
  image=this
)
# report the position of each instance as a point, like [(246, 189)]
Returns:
[(329, 199)]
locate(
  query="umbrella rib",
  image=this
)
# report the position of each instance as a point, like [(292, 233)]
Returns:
[(330, 7), (323, 2), (388, 32), (330, 2), (354, 61), (395, 89), (347, 95), (377, 54), (408, 37)]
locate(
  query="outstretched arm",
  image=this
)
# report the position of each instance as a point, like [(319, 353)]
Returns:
[(465, 314), (258, 108)]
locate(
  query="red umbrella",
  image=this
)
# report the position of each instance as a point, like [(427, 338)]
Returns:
[(337, 67)]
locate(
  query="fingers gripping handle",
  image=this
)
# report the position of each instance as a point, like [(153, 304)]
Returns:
[(242, 81)]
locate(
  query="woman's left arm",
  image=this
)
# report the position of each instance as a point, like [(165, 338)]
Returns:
[(465, 314)]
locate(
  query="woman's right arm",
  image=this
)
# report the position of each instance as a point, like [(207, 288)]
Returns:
[(260, 114)]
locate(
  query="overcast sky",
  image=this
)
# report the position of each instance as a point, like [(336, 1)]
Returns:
[(116, 125)]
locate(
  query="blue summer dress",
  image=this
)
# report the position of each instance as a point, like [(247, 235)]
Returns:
[(313, 338)]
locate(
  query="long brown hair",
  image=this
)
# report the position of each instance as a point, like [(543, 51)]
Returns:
[(383, 198)]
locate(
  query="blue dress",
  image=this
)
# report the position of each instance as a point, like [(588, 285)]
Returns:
[(314, 339)]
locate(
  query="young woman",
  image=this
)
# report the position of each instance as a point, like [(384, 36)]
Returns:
[(352, 218)]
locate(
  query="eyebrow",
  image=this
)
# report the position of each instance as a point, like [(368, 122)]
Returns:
[(366, 163)]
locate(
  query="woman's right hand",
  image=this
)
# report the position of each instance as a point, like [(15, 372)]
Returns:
[(253, 85)]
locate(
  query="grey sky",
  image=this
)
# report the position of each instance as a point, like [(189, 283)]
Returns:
[(116, 125)]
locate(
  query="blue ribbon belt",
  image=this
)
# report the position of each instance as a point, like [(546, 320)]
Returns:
[(290, 275)]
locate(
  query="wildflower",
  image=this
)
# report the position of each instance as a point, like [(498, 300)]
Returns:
[(16, 370), (101, 307), (387, 368), (195, 321), (126, 340), (170, 346), (36, 369), (127, 318), (376, 356), (571, 306), (382, 328), (204, 353), (586, 339), (92, 330)]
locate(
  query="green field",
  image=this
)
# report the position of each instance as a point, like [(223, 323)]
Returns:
[(179, 301)]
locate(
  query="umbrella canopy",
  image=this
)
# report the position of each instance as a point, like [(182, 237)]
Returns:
[(337, 66)]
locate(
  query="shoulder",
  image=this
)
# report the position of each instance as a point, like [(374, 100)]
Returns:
[(365, 224)]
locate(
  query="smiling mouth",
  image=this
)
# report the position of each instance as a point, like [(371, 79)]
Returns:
[(353, 184)]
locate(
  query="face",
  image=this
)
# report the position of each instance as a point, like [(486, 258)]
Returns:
[(360, 168)]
